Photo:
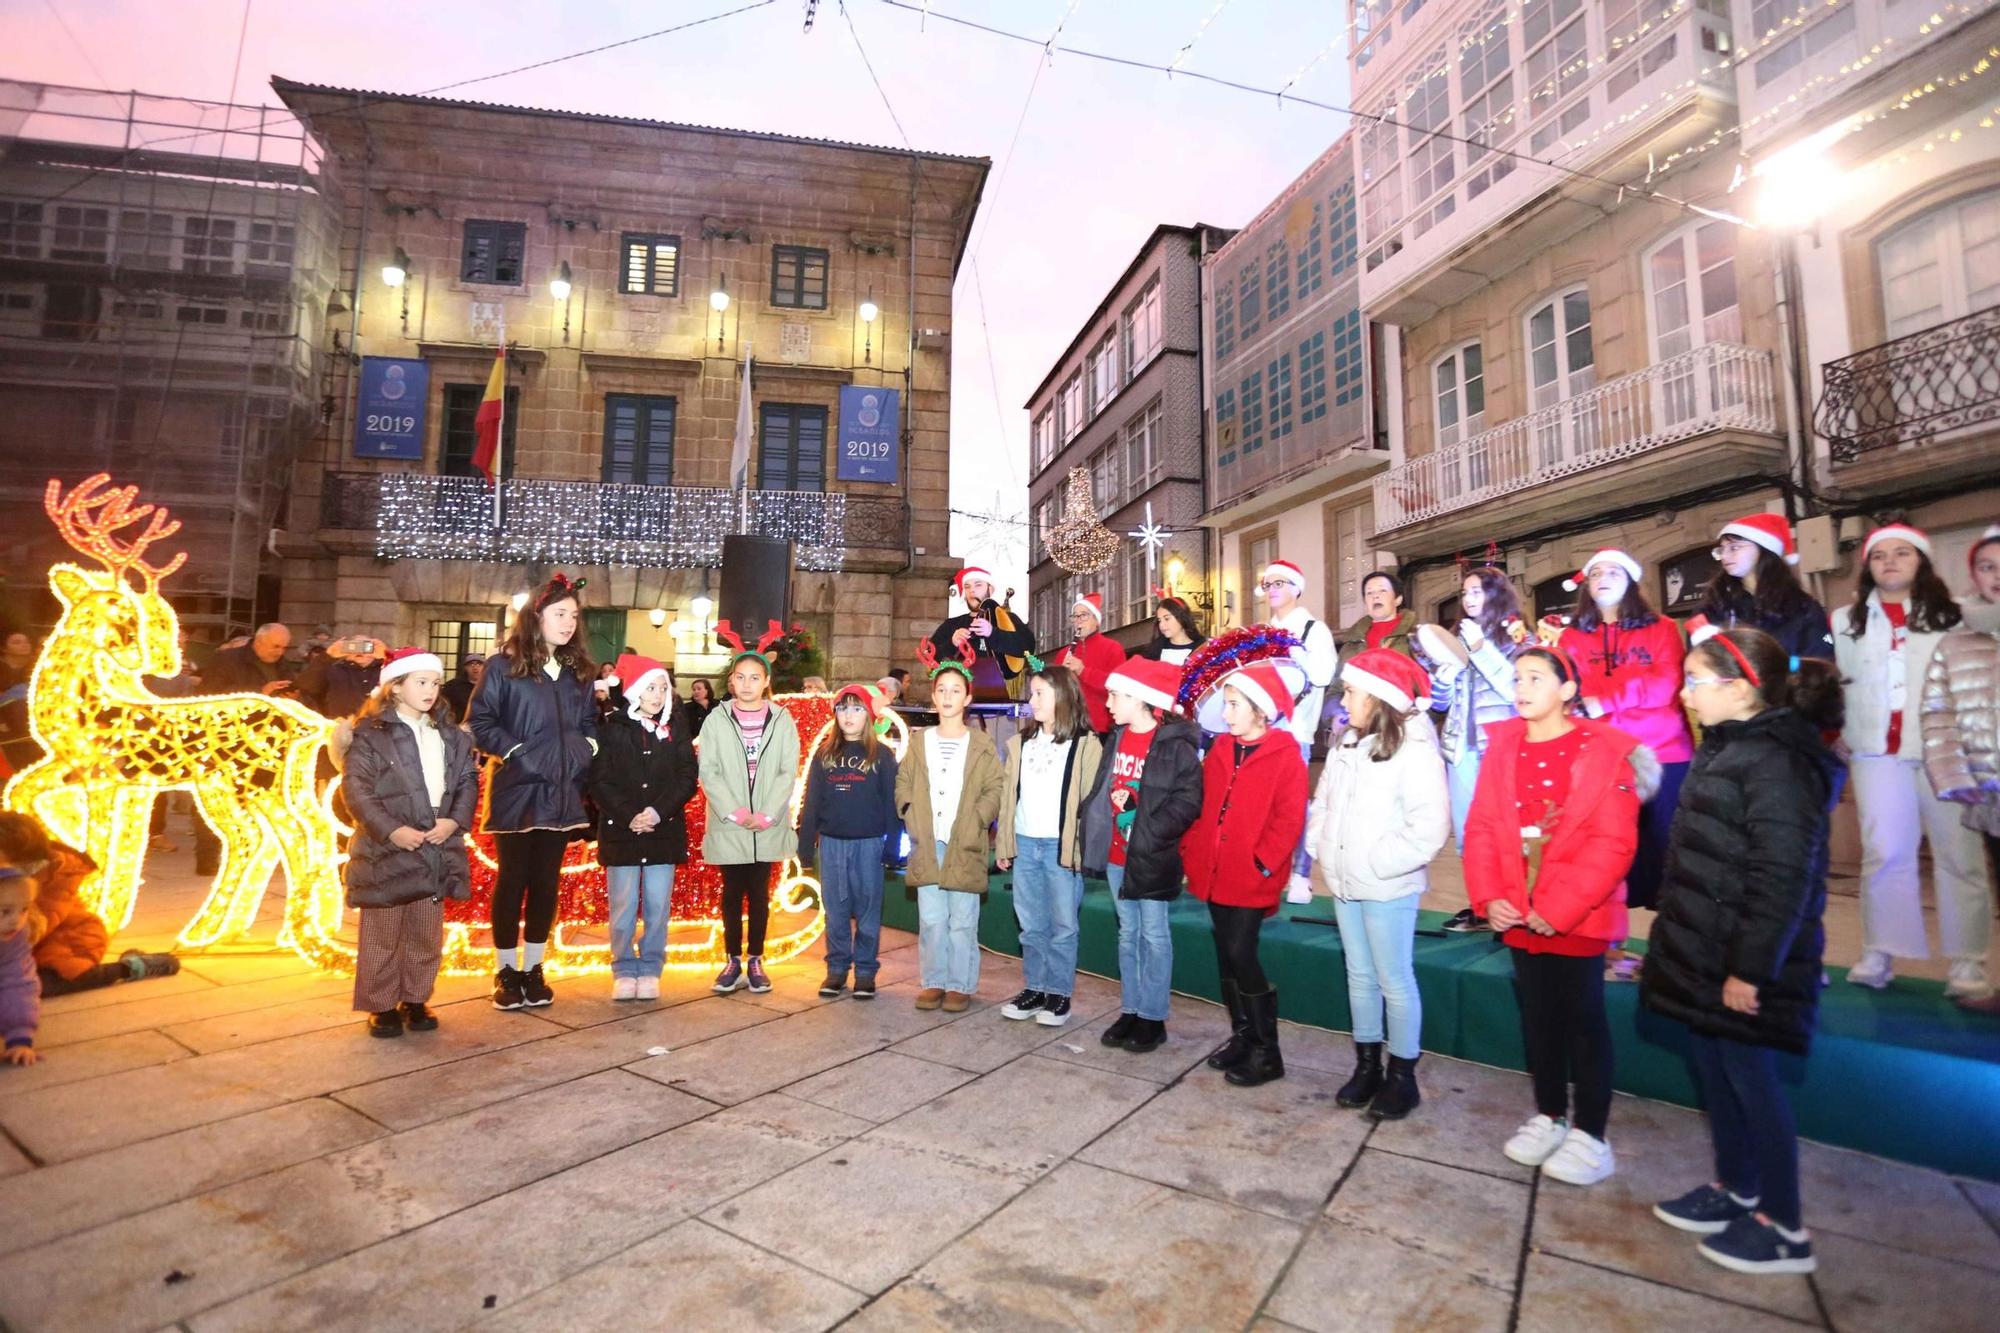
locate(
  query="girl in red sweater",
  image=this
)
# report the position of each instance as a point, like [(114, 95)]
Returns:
[(1549, 839), (1628, 658), (1238, 855)]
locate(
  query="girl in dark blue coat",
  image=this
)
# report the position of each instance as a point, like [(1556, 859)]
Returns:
[(533, 713), (1754, 588), (1735, 954)]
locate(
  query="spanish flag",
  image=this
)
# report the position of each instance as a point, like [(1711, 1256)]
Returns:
[(486, 422)]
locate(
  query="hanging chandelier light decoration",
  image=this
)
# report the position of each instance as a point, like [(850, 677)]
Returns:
[(1079, 541)]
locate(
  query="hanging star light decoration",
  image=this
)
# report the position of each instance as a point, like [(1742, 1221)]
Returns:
[(1151, 536), (1078, 541)]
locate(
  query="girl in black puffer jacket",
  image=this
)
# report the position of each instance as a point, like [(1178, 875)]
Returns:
[(1735, 953)]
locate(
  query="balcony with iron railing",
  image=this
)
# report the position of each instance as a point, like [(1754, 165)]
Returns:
[(1923, 402), (420, 516), (1708, 412)]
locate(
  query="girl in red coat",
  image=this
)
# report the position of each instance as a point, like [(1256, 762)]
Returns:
[(1628, 658), (1553, 824), (1238, 855)]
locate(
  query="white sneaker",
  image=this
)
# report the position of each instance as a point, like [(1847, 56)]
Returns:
[(1875, 970), (1535, 1141), (625, 988), (1300, 890), (649, 988), (1581, 1160), (1967, 981)]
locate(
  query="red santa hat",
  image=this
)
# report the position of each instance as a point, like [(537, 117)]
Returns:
[(1272, 685), (1986, 538), (634, 671), (1287, 571), (1390, 677), (1147, 680), (406, 661), (1091, 602), (1897, 532), (969, 572), (1609, 555), (1769, 531)]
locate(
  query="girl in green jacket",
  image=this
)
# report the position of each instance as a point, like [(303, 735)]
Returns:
[(749, 765)]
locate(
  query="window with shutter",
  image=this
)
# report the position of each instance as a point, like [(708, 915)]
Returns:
[(494, 252), (639, 439), (798, 277), (652, 264), (791, 453)]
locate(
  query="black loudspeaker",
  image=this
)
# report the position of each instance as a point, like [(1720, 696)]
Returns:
[(756, 584)]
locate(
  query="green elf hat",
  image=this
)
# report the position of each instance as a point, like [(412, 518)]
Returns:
[(740, 650)]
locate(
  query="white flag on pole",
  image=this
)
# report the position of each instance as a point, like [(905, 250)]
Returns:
[(739, 456)]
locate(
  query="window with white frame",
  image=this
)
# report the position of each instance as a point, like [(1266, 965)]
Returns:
[(1144, 449), (1225, 315), (20, 229), (1277, 280), (1623, 21), (1553, 35), (81, 233), (1138, 588), (145, 240), (1250, 298), (1104, 478), (1426, 110), (208, 245), (1486, 94), (1692, 281), (1561, 365), (1103, 366), (1381, 183), (1942, 266), (269, 245), (1141, 329), (1042, 438), (1459, 387), (1280, 379), (1071, 406)]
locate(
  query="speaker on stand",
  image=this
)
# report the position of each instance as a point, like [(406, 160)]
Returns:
[(756, 584)]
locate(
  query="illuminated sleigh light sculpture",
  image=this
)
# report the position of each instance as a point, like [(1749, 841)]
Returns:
[(112, 746)]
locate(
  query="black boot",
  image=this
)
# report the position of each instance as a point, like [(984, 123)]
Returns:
[(1263, 1062), (1148, 1034), (1116, 1034), (1367, 1080), (1231, 1052), (1398, 1096)]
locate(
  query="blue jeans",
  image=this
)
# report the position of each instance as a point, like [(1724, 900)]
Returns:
[(1750, 1122), (1379, 939), (1047, 899), (627, 885), (1145, 952), (850, 886), (1462, 776), (947, 937)]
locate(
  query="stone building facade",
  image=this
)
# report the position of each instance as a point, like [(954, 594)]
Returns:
[(606, 247), (1125, 401)]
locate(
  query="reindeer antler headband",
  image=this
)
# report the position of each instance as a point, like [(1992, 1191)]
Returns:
[(927, 656), (773, 631)]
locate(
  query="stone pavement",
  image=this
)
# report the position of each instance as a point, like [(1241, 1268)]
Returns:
[(226, 1149)]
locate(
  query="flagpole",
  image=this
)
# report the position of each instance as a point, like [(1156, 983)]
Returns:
[(500, 440)]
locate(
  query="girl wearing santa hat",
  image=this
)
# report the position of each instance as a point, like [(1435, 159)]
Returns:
[(641, 781), (1381, 813), (411, 783), (1238, 855), (1628, 658), (1554, 823), (1884, 645), (1755, 587), (1147, 796)]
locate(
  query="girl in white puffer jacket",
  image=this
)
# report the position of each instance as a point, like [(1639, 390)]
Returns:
[(1381, 814)]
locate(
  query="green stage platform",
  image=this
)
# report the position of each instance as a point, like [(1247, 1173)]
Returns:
[(1902, 1073)]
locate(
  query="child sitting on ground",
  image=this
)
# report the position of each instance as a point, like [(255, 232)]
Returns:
[(20, 989), (70, 945)]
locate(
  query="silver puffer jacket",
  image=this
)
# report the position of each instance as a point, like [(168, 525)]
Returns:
[(1961, 721)]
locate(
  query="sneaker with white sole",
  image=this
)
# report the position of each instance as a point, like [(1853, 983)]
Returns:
[(1300, 890), (1875, 970), (625, 988), (1535, 1141), (1581, 1160), (1967, 981), (1054, 1011), (1755, 1244), (649, 989), (1705, 1210), (1026, 1004)]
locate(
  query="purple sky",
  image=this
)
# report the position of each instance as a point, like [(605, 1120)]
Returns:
[(1104, 154)]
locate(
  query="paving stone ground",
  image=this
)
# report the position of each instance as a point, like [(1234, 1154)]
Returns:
[(226, 1149)]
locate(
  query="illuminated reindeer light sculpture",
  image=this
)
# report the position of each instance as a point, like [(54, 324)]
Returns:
[(113, 746)]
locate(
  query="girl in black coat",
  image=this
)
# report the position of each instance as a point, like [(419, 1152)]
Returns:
[(641, 782), (1735, 953), (411, 785), (534, 713), (1754, 588), (1147, 795)]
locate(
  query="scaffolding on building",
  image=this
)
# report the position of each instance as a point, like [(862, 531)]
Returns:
[(166, 276)]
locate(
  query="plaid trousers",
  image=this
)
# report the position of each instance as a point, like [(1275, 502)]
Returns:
[(398, 956)]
